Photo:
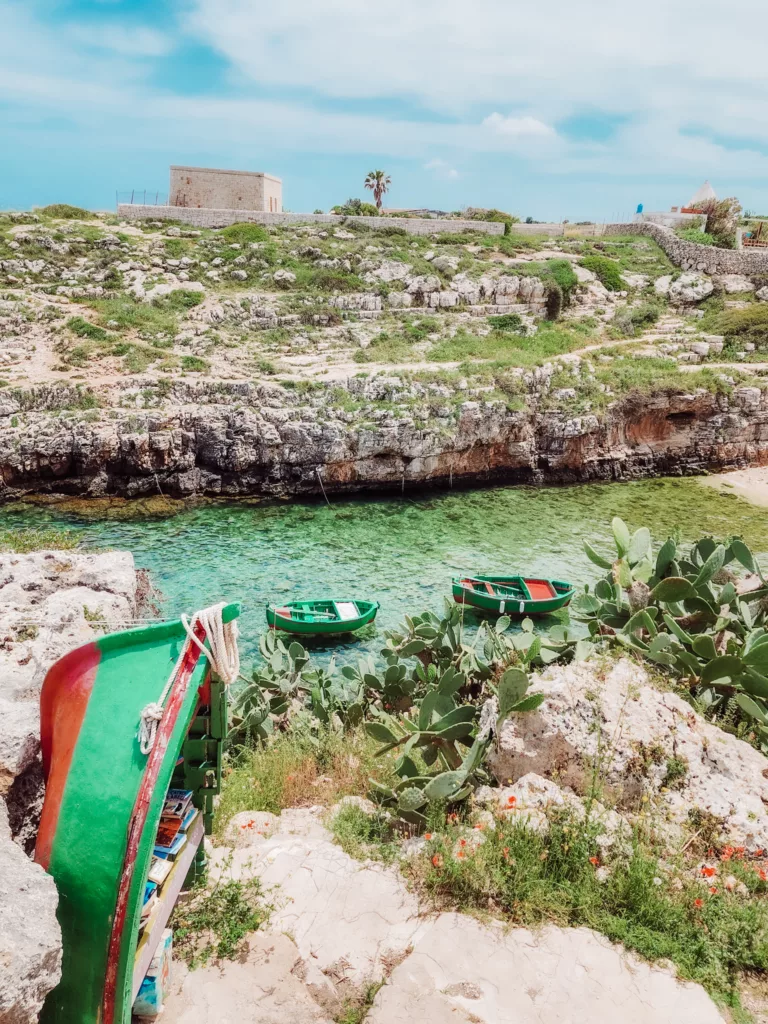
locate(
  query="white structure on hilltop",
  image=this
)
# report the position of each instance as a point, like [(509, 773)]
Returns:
[(705, 193), (216, 189)]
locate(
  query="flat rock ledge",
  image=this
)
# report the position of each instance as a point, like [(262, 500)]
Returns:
[(50, 602), (341, 924)]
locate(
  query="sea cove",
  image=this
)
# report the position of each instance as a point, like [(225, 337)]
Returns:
[(401, 552)]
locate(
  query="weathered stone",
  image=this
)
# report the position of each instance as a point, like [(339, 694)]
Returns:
[(629, 732), (734, 283), (30, 937), (461, 970), (690, 288), (446, 264), (259, 988), (762, 294)]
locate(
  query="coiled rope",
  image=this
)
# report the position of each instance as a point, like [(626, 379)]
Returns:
[(223, 654)]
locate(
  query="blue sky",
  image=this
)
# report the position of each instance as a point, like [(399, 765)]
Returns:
[(554, 110)]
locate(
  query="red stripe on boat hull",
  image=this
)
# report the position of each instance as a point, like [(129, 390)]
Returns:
[(63, 703)]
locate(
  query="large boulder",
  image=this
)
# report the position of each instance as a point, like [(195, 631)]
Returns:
[(641, 744), (734, 283), (762, 294), (690, 288), (30, 937)]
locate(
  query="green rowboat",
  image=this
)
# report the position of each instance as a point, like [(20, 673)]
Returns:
[(512, 595), (311, 618), (104, 799)]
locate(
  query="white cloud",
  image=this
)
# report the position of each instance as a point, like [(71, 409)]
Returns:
[(442, 170), (518, 127), (129, 40), (531, 66)]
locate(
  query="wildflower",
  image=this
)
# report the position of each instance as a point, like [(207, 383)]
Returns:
[(708, 871), (594, 861), (427, 836), (480, 826), (727, 853), (462, 842), (698, 904), (460, 854), (289, 778), (713, 889), (739, 851), (452, 818), (437, 860), (761, 874), (511, 801)]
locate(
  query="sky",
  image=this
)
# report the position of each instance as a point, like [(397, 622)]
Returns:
[(565, 109)]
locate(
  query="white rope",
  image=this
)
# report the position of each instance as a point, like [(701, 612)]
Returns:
[(223, 655)]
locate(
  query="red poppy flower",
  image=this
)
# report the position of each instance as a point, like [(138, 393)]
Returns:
[(594, 860), (453, 818), (761, 874), (427, 836), (437, 860), (713, 889), (460, 854), (511, 801), (462, 842), (727, 853), (708, 872), (698, 903)]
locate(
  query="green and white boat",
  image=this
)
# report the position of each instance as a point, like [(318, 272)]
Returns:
[(512, 595), (315, 618)]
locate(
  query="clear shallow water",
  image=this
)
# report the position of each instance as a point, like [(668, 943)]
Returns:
[(401, 552)]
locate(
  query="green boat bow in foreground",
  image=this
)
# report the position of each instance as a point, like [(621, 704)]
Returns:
[(104, 798), (312, 618), (512, 595)]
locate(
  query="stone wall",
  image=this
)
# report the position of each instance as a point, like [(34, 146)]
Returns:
[(207, 218), (208, 188), (691, 256)]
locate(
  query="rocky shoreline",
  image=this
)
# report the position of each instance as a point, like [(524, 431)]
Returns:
[(246, 441)]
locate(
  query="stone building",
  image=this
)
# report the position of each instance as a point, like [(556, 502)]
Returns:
[(211, 189)]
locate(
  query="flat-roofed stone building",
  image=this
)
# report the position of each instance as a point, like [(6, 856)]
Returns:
[(213, 189)]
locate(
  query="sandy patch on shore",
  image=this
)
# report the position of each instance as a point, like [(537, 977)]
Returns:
[(750, 484)]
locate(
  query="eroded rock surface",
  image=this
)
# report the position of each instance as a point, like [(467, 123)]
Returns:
[(30, 941), (638, 742), (353, 923)]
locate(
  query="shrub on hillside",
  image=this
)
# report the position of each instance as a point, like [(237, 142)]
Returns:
[(750, 324), (694, 235), (355, 208), (495, 216), (722, 216), (632, 319), (607, 270), (245, 232), (562, 273), (63, 211), (507, 322)]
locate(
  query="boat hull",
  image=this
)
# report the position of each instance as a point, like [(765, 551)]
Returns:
[(277, 619), (103, 804), (559, 596)]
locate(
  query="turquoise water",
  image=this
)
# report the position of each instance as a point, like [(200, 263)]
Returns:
[(401, 552)]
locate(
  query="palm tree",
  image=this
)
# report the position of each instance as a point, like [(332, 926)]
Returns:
[(378, 182)]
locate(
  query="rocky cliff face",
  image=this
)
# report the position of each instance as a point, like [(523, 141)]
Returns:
[(50, 602), (246, 440)]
